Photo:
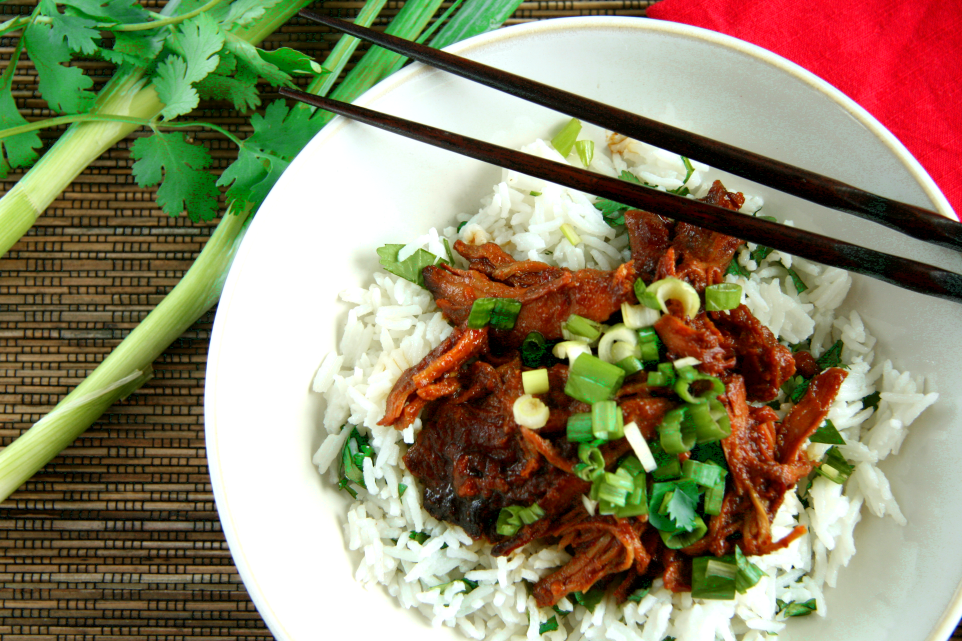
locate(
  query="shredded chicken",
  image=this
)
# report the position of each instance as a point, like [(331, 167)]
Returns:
[(472, 459)]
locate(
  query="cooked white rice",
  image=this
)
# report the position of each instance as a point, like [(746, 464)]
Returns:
[(394, 323)]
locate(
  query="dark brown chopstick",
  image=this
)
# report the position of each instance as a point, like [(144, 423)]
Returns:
[(908, 219), (902, 272)]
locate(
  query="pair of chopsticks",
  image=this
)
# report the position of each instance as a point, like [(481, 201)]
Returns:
[(909, 219)]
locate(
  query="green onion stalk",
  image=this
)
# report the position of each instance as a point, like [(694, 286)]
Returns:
[(128, 367)]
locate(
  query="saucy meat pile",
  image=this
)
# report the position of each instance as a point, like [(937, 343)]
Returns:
[(473, 459)]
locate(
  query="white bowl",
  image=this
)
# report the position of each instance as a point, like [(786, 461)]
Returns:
[(354, 188)]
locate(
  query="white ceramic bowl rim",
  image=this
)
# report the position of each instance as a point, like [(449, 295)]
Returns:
[(951, 616)]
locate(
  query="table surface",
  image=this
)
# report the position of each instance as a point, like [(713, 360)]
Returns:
[(119, 536)]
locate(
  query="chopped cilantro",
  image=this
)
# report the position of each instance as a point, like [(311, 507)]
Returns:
[(800, 285), (794, 609), (612, 212), (831, 358), (872, 400), (548, 626), (827, 433), (409, 268), (401, 489), (419, 537), (735, 268), (589, 599)]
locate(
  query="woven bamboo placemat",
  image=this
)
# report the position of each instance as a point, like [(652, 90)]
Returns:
[(119, 537)]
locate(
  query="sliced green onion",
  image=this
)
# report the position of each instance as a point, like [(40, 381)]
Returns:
[(570, 233), (607, 421), (704, 474), (682, 539), (640, 289), (714, 497), (748, 575), (670, 469), (530, 412), (579, 428), (723, 296), (713, 578), (565, 140), (513, 517), (834, 467), (500, 313), (827, 434), (534, 193), (688, 375), (710, 420), (632, 465), (571, 350), (586, 151), (592, 464), (581, 328), (613, 489), (535, 381), (631, 365), (671, 288), (640, 447), (674, 433), (617, 334), (533, 349), (638, 316), (664, 377), (590, 379)]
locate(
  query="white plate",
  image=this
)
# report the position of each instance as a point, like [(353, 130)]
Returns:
[(354, 189)]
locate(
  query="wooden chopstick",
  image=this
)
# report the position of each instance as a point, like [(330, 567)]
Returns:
[(910, 274), (908, 219)]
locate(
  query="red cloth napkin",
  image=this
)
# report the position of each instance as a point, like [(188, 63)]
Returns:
[(901, 61)]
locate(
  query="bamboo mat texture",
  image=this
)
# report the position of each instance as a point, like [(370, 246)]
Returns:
[(119, 536)]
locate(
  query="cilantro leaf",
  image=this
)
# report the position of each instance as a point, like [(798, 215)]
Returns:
[(681, 507), (872, 400), (735, 268), (240, 89), (796, 609), (198, 40), (186, 186), (800, 285), (76, 31), (119, 11), (18, 151), (64, 88), (242, 12), (589, 599), (291, 61), (612, 212), (827, 433), (278, 136), (409, 268), (831, 358), (548, 626), (248, 55), (138, 48)]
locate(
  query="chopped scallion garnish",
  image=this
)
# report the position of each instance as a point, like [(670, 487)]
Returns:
[(834, 467), (569, 232), (513, 517), (533, 349), (565, 140), (723, 296), (586, 151), (530, 412), (500, 313), (581, 328), (607, 421), (675, 434), (579, 428), (671, 288), (590, 379), (535, 381)]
